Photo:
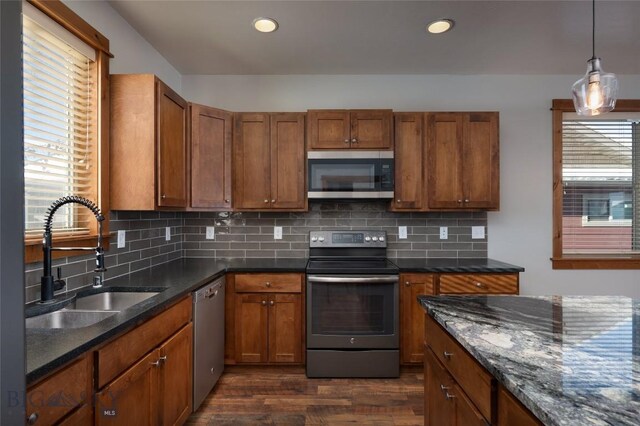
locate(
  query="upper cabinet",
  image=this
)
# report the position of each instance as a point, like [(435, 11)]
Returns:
[(463, 160), (350, 129), (211, 131), (410, 191), (269, 161), (149, 144)]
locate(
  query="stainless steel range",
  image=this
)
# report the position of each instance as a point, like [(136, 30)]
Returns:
[(352, 306)]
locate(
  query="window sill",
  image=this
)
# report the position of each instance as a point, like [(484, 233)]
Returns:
[(33, 246), (601, 262)]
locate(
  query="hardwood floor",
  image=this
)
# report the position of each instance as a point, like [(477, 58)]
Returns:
[(284, 396)]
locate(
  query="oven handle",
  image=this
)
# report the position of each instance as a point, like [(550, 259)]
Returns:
[(353, 280)]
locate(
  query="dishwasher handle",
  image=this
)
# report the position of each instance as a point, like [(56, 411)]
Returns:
[(380, 279)]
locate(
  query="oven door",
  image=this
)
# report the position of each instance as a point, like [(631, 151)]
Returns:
[(352, 312), (357, 177)]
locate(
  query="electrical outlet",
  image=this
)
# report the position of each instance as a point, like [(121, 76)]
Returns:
[(477, 233), (402, 232), (121, 238), (211, 233), (167, 233), (444, 233), (277, 232)]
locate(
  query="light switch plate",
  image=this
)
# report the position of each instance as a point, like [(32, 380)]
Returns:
[(167, 233), (121, 238), (444, 233), (211, 233), (402, 232), (477, 233), (277, 232)]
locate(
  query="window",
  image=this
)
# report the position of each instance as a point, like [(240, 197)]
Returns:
[(597, 188), (65, 64)]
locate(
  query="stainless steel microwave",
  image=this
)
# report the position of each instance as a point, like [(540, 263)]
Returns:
[(350, 174)]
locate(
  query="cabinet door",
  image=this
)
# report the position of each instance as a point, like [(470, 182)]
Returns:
[(251, 328), (512, 412), (252, 161), (210, 158), (412, 316), (371, 129), (172, 148), (481, 171), (285, 328), (409, 190), (131, 399), (330, 129), (439, 410), (444, 151), (288, 190), (177, 377), (465, 413)]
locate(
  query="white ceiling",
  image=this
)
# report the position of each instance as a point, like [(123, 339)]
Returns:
[(388, 37)]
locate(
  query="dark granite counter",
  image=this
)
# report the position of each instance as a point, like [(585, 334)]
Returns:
[(472, 265), (47, 349), (570, 360)]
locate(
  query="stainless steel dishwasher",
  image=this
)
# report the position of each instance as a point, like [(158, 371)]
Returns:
[(208, 339)]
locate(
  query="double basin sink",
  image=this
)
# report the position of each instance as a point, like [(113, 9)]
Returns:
[(84, 311)]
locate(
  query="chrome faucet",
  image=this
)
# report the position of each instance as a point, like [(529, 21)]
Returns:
[(47, 283)]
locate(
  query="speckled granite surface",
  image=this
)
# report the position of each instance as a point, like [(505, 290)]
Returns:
[(570, 360), (48, 349), (471, 265)]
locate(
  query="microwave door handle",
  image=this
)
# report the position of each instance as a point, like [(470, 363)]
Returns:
[(353, 280)]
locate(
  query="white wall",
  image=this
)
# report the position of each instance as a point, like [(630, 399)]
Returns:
[(520, 232), (132, 53)]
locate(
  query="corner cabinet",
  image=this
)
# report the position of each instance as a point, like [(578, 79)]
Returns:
[(149, 144), (211, 132), (269, 161), (463, 160), (350, 129)]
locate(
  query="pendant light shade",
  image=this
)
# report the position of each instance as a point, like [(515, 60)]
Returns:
[(597, 91)]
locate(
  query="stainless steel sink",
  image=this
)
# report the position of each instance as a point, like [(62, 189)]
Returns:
[(109, 301), (68, 319)]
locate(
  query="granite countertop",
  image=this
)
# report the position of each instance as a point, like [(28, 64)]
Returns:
[(570, 360), (47, 349), (471, 265)]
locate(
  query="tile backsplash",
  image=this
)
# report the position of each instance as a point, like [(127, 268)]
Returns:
[(250, 234)]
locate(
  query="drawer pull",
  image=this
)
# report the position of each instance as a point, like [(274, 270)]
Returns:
[(32, 419), (272, 303), (444, 388), (156, 363), (481, 285), (447, 355), (268, 284), (264, 303), (163, 358), (407, 283), (449, 395)]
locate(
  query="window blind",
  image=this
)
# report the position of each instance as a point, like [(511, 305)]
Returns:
[(59, 156), (600, 179)]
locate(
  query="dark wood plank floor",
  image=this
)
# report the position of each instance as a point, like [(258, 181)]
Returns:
[(284, 396)]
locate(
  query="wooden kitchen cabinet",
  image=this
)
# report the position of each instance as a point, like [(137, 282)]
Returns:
[(410, 191), (145, 376), (412, 315), (512, 412), (268, 320), (479, 284), (210, 156), (463, 160), (65, 394), (148, 146), (269, 161), (350, 129)]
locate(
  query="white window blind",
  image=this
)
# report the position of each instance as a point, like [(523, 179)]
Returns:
[(601, 184), (59, 157)]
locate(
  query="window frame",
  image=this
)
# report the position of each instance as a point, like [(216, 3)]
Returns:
[(73, 23), (580, 261)]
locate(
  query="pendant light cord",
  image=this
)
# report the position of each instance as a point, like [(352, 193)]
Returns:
[(593, 29)]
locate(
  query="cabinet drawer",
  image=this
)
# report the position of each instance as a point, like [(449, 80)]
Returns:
[(268, 283), (121, 353), (73, 383), (474, 380), (479, 283)]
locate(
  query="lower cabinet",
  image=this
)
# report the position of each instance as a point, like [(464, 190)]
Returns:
[(154, 388), (268, 319)]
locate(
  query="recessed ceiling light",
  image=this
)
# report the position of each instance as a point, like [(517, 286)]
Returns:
[(440, 26), (265, 25)]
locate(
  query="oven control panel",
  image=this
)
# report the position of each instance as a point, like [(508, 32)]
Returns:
[(348, 239)]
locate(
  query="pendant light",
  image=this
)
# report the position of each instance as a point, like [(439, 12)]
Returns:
[(596, 92)]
